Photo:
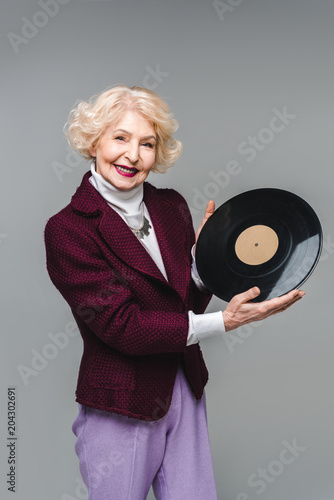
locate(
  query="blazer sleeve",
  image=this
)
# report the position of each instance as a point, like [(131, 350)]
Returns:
[(100, 299)]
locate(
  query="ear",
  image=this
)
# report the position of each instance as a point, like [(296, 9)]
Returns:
[(92, 151)]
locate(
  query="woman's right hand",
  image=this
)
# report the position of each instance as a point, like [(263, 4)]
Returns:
[(241, 311)]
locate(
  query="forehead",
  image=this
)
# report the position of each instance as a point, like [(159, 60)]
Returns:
[(133, 122)]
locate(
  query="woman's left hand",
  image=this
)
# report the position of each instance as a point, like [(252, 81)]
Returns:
[(208, 212), (241, 311)]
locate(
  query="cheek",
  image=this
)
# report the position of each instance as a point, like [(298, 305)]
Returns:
[(150, 160), (112, 152)]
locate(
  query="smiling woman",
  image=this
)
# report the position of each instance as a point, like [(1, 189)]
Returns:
[(122, 255)]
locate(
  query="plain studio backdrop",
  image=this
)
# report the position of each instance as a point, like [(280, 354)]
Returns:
[(226, 68)]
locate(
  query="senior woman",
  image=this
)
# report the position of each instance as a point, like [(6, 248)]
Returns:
[(121, 254)]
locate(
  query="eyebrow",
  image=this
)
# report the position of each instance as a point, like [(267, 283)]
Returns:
[(129, 133)]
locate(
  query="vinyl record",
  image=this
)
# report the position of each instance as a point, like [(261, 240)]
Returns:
[(266, 237)]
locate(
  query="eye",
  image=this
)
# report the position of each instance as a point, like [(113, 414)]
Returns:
[(148, 145), (119, 138)]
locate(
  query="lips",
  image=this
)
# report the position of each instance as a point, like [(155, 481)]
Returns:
[(126, 171)]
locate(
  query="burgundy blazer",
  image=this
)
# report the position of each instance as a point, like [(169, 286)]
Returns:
[(134, 323)]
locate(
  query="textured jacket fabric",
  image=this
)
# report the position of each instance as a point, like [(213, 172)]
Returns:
[(134, 324)]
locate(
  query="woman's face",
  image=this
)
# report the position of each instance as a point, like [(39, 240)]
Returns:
[(125, 152)]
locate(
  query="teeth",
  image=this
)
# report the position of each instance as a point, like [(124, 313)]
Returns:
[(124, 169)]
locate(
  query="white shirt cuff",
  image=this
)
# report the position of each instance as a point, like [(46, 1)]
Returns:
[(205, 325), (194, 274)]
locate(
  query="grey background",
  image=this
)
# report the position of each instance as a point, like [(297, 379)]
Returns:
[(222, 76)]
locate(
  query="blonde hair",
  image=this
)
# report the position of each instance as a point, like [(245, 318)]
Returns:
[(88, 121)]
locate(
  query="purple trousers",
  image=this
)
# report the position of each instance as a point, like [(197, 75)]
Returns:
[(121, 457)]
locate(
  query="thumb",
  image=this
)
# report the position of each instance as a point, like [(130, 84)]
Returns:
[(210, 208), (250, 294)]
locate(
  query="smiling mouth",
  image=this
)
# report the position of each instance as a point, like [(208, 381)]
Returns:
[(127, 171)]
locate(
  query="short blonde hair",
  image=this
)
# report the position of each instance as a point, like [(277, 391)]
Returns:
[(88, 121)]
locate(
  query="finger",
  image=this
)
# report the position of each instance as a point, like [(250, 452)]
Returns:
[(287, 305), (210, 208), (296, 293), (278, 302), (299, 297)]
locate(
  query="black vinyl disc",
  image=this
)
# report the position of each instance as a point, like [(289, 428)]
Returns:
[(266, 237)]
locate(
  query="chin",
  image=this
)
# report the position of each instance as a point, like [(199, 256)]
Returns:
[(125, 185)]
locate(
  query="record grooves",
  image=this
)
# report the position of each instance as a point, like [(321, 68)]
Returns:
[(266, 237)]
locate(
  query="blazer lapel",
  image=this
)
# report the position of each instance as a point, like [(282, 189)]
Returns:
[(116, 233), (126, 245), (169, 230)]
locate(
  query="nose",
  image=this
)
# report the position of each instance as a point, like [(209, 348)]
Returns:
[(132, 153)]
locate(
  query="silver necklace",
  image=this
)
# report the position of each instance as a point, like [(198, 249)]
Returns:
[(144, 229)]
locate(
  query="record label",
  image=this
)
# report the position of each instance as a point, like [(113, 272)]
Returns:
[(256, 245)]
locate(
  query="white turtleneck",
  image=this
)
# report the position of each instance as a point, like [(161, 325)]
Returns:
[(129, 205)]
